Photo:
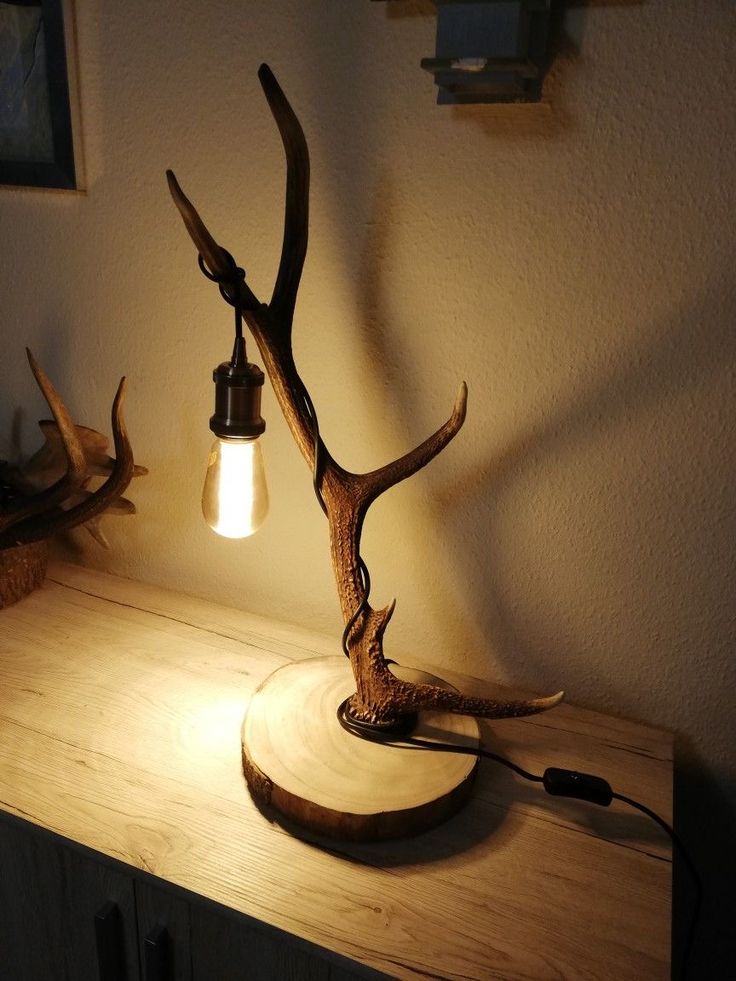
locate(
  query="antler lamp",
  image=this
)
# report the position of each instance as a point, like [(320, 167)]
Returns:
[(300, 754)]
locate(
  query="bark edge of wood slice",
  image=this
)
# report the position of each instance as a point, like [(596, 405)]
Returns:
[(302, 766)]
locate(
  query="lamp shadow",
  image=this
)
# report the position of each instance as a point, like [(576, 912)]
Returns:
[(645, 379), (677, 355)]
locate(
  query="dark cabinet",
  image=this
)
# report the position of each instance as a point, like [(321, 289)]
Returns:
[(67, 915), (62, 914)]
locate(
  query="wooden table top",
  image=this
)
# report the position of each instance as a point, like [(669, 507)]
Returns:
[(120, 714)]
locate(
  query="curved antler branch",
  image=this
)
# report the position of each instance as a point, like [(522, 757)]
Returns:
[(23, 508), (36, 528), (408, 697), (208, 248), (378, 481), (213, 254), (270, 331), (296, 220)]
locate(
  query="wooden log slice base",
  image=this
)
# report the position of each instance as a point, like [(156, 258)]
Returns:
[(301, 763)]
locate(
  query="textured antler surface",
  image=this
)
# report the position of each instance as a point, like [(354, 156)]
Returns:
[(30, 515), (22, 509), (381, 697)]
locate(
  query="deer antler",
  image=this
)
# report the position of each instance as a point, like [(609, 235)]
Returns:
[(21, 509), (381, 697), (30, 518)]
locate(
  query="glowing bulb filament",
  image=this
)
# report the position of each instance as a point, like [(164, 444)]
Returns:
[(235, 496)]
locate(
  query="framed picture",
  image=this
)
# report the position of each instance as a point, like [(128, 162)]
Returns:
[(39, 127)]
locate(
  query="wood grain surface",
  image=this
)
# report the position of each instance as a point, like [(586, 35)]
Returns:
[(298, 759), (120, 714)]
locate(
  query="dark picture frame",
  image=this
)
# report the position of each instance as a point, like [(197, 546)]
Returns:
[(59, 166)]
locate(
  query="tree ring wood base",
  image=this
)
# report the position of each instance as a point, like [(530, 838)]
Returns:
[(299, 760)]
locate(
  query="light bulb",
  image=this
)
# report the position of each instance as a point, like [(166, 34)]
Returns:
[(235, 496)]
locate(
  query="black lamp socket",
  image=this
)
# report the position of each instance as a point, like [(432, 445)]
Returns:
[(238, 386)]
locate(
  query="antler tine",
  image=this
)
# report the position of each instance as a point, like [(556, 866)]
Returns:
[(381, 694), (378, 481), (24, 508), (296, 220), (213, 254), (47, 524), (416, 697), (207, 247)]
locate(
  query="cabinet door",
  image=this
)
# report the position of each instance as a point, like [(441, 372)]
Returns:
[(163, 933), (50, 895), (187, 940), (226, 947)]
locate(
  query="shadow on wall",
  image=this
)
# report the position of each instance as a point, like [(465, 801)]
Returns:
[(705, 810), (676, 358), (647, 379)]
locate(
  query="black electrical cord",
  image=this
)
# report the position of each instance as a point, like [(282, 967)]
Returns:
[(232, 281), (318, 453), (228, 285), (557, 782), (689, 864)]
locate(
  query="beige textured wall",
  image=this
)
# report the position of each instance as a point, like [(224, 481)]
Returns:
[(572, 261)]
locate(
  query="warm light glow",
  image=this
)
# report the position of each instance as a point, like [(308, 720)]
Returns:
[(235, 496)]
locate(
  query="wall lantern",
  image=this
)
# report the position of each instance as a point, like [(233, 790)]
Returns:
[(490, 50)]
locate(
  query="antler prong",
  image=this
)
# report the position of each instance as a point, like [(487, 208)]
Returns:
[(296, 219), (213, 254), (207, 247), (120, 476), (417, 697), (378, 481), (34, 528), (23, 508)]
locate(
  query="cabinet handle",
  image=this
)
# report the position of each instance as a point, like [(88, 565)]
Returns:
[(156, 955), (107, 938)]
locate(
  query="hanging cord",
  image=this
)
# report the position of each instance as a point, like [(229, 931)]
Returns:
[(229, 290), (318, 453), (557, 782), (232, 281)]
